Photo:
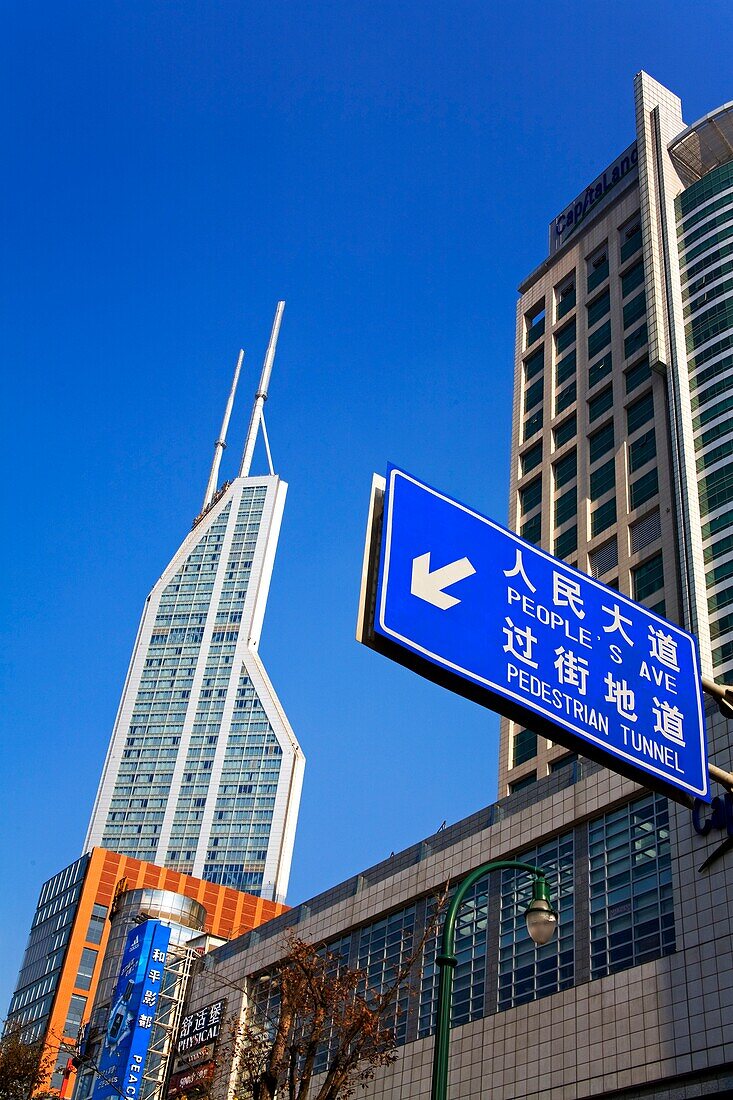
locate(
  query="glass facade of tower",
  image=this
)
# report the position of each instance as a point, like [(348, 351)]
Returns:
[(705, 235), (199, 773)]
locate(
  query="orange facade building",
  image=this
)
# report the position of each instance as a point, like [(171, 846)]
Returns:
[(62, 962)]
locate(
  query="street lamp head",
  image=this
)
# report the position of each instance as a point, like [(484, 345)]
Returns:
[(541, 918)]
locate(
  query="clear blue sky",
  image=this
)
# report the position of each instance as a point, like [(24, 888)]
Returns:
[(170, 171)]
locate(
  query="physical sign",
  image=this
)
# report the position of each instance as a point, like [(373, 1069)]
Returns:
[(538, 640)]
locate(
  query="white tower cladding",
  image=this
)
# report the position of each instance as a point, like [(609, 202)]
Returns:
[(203, 772)]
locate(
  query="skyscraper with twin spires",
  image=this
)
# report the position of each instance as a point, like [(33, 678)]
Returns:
[(203, 772)]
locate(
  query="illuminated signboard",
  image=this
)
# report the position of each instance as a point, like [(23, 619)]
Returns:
[(132, 1014)]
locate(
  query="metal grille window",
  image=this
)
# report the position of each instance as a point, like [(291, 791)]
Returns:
[(526, 971), (603, 517), (643, 489), (604, 559), (645, 532), (600, 442), (648, 577), (531, 458), (603, 479), (631, 906), (639, 412), (525, 746), (566, 431), (469, 977), (600, 404)]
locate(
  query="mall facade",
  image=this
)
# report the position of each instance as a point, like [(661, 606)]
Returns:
[(622, 438)]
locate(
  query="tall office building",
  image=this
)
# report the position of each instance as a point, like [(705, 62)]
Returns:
[(203, 773), (623, 423), (622, 428)]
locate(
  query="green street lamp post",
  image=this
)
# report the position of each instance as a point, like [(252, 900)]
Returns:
[(541, 924)]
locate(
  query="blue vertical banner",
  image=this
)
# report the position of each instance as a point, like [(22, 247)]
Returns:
[(132, 1013)]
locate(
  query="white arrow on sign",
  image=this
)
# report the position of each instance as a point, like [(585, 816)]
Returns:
[(429, 586)]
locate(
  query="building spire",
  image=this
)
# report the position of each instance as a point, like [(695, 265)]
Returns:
[(222, 440), (261, 395)]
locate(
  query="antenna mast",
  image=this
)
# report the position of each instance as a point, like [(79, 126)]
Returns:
[(222, 440), (261, 395)]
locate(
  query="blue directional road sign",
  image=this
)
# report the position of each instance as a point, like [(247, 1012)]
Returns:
[(540, 639)]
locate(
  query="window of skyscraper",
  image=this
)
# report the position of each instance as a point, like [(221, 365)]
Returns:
[(603, 517), (534, 364), (642, 450), (600, 404), (530, 495), (565, 368), (86, 968), (643, 489), (531, 529), (74, 1015), (565, 431), (531, 458), (637, 374), (600, 370), (635, 341), (534, 321), (565, 469), (597, 267), (634, 309), (630, 238), (632, 278), (639, 412), (525, 746), (566, 507), (533, 394), (533, 424), (565, 337), (565, 296), (648, 577), (565, 398), (566, 543), (599, 340), (600, 442), (599, 308), (96, 924), (603, 479), (523, 783)]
